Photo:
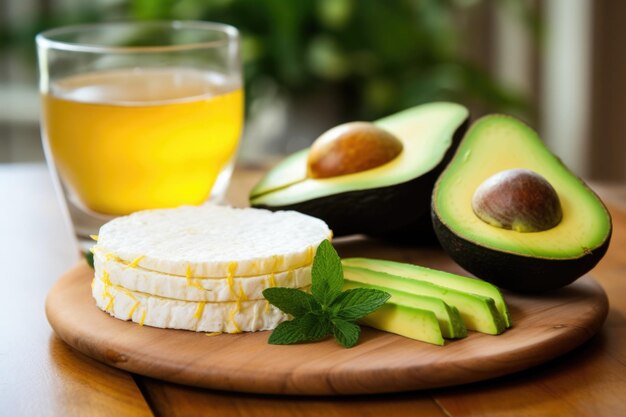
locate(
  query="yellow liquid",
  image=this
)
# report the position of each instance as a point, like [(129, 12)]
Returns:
[(138, 139)]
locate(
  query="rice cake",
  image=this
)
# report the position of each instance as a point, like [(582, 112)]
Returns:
[(214, 241), (155, 311), (190, 288)]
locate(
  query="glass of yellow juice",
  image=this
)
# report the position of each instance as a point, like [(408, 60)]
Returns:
[(139, 115)]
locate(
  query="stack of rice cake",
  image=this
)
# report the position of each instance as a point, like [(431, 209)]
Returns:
[(203, 268)]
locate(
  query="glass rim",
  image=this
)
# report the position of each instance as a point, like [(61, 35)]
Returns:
[(46, 39)]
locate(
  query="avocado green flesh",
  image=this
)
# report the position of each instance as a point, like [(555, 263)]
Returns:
[(406, 321), (478, 313), (441, 278), (425, 131), (496, 143), (450, 321), (289, 171)]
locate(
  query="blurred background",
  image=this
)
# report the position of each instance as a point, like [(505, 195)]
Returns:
[(310, 64)]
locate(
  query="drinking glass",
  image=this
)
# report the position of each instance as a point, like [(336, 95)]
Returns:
[(139, 115)]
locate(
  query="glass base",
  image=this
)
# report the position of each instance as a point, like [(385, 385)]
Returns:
[(86, 223)]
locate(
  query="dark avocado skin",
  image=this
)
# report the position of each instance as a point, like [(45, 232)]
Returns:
[(376, 211), (514, 272), (396, 212)]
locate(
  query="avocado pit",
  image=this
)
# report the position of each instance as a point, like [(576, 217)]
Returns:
[(350, 148), (519, 200)]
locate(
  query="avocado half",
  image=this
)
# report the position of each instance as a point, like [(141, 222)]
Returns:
[(525, 262), (393, 198)]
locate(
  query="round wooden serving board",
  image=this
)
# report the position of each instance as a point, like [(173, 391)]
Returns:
[(544, 327)]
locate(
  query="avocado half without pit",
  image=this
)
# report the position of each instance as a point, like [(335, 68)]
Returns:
[(372, 178), (509, 211)]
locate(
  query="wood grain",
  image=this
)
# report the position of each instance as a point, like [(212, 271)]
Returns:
[(544, 327), (39, 374), (191, 402), (36, 378)]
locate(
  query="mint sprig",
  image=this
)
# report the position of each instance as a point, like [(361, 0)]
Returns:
[(89, 258), (327, 310)]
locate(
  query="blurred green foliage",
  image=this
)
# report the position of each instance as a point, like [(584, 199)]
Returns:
[(378, 56)]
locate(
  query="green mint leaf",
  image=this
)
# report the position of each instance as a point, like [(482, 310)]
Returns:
[(346, 333), (327, 274), (310, 327), (287, 333), (291, 300), (326, 310), (358, 302), (89, 258), (315, 326)]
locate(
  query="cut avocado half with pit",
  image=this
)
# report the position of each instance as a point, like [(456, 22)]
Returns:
[(441, 278), (526, 262), (449, 319), (478, 313), (387, 199)]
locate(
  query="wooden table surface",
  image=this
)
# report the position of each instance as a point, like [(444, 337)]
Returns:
[(41, 376)]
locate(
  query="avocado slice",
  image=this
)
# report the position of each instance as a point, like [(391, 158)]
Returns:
[(478, 313), (526, 262), (398, 191), (406, 321), (441, 278), (450, 323)]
